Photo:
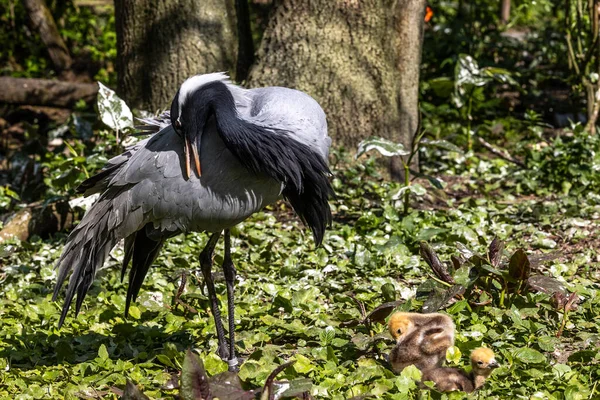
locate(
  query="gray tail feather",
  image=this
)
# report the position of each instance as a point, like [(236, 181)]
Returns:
[(141, 250), (86, 249)]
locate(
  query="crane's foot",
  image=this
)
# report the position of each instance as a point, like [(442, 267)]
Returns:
[(223, 351), (234, 365)]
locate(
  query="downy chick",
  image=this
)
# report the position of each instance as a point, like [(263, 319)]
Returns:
[(483, 362), (421, 340)]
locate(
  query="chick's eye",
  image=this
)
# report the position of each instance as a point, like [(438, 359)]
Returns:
[(399, 331), (480, 362)]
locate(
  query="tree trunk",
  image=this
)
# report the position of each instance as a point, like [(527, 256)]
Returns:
[(43, 22), (162, 43), (409, 43), (358, 58)]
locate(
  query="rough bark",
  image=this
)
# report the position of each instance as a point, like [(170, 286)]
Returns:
[(505, 12), (358, 58), (161, 43), (43, 22), (45, 92), (409, 43)]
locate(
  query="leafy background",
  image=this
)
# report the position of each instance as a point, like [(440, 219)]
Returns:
[(295, 302)]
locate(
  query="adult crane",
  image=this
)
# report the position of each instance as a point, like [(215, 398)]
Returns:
[(223, 154)]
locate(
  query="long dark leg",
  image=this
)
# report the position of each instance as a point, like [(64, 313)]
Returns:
[(229, 270), (206, 266)]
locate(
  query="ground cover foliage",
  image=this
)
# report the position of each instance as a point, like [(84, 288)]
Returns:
[(312, 306), (516, 228)]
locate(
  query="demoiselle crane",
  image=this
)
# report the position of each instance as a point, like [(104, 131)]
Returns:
[(225, 153)]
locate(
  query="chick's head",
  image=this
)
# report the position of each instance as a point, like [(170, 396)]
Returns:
[(399, 324), (483, 361)]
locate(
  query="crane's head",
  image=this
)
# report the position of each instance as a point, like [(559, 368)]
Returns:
[(191, 107), (483, 361), (399, 324)]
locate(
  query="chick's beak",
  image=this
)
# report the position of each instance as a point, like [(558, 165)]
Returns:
[(493, 364), (191, 151)]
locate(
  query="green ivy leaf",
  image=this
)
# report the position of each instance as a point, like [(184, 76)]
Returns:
[(453, 355), (303, 364), (102, 352), (529, 356), (134, 312)]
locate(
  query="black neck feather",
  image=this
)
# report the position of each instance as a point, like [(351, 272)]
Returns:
[(277, 154)]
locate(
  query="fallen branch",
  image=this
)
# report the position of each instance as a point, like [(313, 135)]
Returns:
[(45, 92), (38, 219), (500, 153)]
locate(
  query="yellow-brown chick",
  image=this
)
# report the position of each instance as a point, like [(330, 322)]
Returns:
[(483, 362), (421, 339)]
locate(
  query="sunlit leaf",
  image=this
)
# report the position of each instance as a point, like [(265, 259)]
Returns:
[(411, 372), (415, 188), (113, 111), (102, 352), (442, 144), (467, 73), (327, 335), (529, 356), (291, 389), (303, 364), (383, 146), (461, 276), (453, 355)]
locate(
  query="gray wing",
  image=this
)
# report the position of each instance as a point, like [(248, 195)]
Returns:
[(148, 180), (293, 111), (145, 188), (99, 182)]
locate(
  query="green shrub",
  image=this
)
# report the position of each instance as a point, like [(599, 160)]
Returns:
[(569, 164)]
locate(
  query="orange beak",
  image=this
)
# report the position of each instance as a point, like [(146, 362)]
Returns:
[(191, 150)]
